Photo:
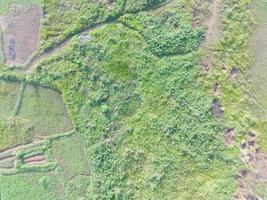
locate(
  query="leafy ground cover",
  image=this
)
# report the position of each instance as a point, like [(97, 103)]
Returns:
[(145, 117), (139, 98), (38, 187), (67, 18)]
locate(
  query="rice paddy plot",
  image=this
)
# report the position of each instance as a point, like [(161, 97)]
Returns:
[(71, 156), (45, 109)]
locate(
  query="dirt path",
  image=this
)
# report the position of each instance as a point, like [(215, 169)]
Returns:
[(213, 23), (34, 61)]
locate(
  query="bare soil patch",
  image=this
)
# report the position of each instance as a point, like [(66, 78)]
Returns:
[(229, 136), (256, 173), (20, 33), (216, 89), (217, 109), (233, 73), (36, 160)]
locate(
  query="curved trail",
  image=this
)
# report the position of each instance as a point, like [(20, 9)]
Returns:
[(33, 62)]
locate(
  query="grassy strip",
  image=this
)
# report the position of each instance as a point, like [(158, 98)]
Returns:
[(20, 98)]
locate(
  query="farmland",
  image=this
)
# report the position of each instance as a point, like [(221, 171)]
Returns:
[(132, 100)]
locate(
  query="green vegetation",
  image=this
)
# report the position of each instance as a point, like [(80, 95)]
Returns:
[(146, 119), (63, 19), (38, 187), (27, 111), (14, 132), (139, 101)]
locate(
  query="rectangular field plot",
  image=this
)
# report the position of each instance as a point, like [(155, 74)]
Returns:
[(71, 156), (45, 109), (8, 97)]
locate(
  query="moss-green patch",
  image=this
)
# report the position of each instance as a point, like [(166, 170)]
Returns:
[(71, 155), (77, 188), (14, 132), (45, 109), (28, 187)]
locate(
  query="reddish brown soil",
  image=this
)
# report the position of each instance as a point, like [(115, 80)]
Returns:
[(216, 89), (20, 33), (35, 160), (205, 66), (233, 73), (255, 173), (229, 136)]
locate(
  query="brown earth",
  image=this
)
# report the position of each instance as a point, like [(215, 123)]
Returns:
[(256, 173), (217, 109), (20, 28), (229, 136), (36, 160)]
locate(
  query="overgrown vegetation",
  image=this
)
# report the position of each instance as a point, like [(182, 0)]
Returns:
[(137, 97), (146, 119), (63, 19)]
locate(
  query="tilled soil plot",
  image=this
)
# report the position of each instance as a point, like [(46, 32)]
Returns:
[(20, 33)]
